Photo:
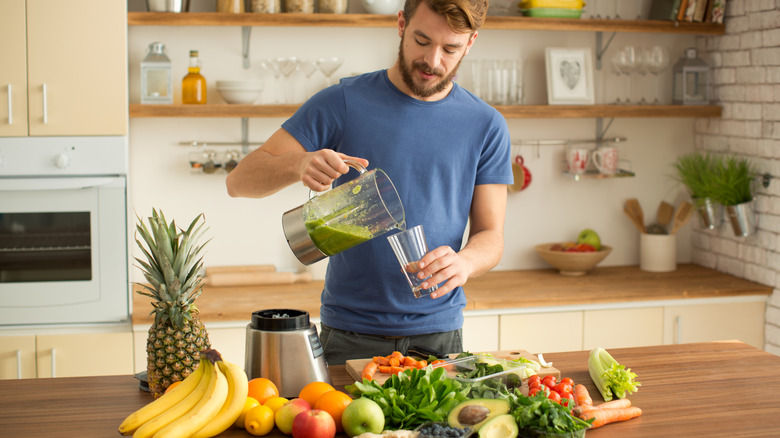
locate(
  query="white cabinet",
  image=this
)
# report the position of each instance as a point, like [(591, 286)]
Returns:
[(65, 65), (715, 322), (541, 332), (618, 328), (17, 356), (480, 333)]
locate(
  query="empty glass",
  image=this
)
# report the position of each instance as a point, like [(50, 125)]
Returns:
[(657, 61), (409, 247), (328, 66)]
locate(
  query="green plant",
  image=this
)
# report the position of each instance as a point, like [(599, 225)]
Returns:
[(733, 180), (696, 171)]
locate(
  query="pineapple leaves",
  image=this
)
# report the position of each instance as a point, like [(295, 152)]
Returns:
[(173, 266)]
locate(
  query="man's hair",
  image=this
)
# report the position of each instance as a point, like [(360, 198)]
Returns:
[(462, 15)]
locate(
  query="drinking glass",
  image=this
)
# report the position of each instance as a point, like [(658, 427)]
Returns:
[(617, 9), (287, 66), (642, 68), (271, 67), (658, 61), (328, 66), (308, 67), (620, 69), (409, 247), (627, 62)]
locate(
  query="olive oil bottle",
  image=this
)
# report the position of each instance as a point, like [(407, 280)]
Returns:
[(193, 86)]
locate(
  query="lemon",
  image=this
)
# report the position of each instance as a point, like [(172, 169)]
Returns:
[(275, 403), (259, 420), (248, 405)]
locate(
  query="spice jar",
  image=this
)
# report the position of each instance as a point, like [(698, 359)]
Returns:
[(210, 166), (232, 6), (299, 6), (231, 160), (267, 6), (332, 6)]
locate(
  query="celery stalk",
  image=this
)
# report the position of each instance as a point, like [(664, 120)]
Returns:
[(612, 379)]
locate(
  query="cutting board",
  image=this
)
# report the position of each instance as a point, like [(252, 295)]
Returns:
[(355, 366)]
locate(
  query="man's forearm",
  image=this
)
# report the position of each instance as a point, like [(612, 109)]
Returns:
[(262, 174), (483, 251)]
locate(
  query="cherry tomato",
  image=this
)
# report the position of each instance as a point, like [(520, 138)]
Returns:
[(566, 402), (563, 387), (567, 396), (533, 391), (549, 381), (567, 381), (554, 396), (534, 384), (534, 378)]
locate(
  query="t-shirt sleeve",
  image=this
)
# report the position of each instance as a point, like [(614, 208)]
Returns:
[(319, 122), (495, 165)]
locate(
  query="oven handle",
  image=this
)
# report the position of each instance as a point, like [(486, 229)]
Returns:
[(25, 184)]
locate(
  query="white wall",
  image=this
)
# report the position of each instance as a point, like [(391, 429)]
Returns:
[(553, 208)]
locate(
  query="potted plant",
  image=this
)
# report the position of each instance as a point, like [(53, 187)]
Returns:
[(697, 172), (733, 186)]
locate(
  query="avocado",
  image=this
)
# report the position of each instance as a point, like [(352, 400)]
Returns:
[(500, 426), (476, 412)]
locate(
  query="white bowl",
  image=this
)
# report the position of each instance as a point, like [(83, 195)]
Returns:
[(238, 96), (382, 7), (250, 84)]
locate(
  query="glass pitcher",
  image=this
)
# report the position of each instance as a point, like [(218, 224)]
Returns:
[(352, 213)]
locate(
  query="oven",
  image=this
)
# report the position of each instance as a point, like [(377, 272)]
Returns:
[(63, 230)]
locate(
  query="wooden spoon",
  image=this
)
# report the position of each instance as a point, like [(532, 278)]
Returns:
[(634, 211), (681, 216), (665, 213)]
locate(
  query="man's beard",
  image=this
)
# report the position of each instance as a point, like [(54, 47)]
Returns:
[(420, 90)]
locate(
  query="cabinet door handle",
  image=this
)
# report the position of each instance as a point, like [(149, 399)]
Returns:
[(10, 107), (18, 364), (45, 109), (678, 335), (53, 362)]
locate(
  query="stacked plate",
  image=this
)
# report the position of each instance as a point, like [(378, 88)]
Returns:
[(552, 8), (240, 92)]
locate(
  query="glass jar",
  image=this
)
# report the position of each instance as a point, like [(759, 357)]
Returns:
[(231, 160), (299, 6), (211, 165), (690, 81), (267, 6), (156, 76), (332, 6)]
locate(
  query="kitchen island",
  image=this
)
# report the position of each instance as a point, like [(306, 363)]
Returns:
[(699, 389)]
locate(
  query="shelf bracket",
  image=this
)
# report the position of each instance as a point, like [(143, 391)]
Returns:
[(244, 135), (601, 130), (601, 50), (246, 33)]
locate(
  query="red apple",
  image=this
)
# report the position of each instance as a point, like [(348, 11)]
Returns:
[(585, 247), (286, 414), (315, 423)]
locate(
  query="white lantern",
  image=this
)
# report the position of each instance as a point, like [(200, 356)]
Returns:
[(691, 81), (156, 76)]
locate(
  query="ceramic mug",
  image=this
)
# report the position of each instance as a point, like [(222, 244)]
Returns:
[(521, 174), (606, 160), (577, 160)]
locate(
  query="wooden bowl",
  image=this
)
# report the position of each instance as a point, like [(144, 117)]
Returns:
[(572, 263)]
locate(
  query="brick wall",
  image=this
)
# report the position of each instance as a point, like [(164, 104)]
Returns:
[(746, 82)]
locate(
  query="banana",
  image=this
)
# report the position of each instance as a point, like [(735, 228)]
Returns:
[(151, 410), (203, 413), (238, 387), (205, 386)]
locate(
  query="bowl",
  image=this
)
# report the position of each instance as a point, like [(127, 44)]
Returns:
[(572, 264), (382, 7), (240, 92)]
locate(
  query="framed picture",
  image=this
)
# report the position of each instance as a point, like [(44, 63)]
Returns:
[(569, 76)]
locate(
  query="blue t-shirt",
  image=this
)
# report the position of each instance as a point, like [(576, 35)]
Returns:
[(435, 153)]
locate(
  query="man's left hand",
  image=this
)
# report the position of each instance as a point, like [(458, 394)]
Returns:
[(444, 264)]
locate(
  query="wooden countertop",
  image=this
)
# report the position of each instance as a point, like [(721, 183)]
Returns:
[(493, 290), (687, 390)]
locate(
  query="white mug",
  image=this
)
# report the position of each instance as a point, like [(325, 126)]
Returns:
[(577, 160), (606, 160)]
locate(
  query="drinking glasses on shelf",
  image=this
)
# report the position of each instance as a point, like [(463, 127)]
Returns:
[(627, 64), (657, 61), (642, 68), (308, 67), (328, 66), (616, 64), (617, 9), (270, 67), (287, 66)]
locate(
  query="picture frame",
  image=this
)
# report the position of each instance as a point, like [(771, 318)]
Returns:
[(569, 76)]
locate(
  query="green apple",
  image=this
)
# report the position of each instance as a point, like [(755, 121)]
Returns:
[(590, 237), (362, 415)]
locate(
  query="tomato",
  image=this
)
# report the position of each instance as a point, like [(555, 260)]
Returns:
[(534, 378), (549, 381), (535, 384), (532, 392), (563, 387), (567, 381), (566, 402), (554, 396), (567, 396)]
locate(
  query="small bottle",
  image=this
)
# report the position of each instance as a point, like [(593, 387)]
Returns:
[(193, 86)]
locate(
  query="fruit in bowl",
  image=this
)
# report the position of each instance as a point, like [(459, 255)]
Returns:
[(575, 258)]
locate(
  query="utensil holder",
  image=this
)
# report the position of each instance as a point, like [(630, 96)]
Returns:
[(658, 252)]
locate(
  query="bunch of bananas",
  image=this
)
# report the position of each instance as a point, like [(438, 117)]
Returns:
[(203, 405)]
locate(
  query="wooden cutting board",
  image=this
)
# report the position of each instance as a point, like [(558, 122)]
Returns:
[(355, 366)]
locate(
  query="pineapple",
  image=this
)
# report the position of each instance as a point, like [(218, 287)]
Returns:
[(173, 269)]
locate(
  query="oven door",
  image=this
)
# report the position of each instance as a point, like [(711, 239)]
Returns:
[(63, 250)]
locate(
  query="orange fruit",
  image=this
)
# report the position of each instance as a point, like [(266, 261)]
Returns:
[(334, 403), (248, 405), (171, 386), (312, 391), (261, 389), (275, 403), (259, 420)]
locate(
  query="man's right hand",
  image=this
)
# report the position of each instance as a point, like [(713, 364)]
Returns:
[(320, 168)]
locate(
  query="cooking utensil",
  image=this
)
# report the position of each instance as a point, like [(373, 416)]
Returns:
[(634, 212), (665, 213), (681, 216)]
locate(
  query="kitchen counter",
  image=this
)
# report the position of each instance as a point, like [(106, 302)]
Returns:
[(494, 290), (687, 390)]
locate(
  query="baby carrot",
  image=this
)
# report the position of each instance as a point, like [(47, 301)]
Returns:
[(610, 415), (582, 396), (369, 370)]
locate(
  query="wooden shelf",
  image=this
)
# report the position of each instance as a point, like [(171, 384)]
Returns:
[(369, 20), (510, 112)]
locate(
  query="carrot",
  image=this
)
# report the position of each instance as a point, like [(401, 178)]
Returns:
[(610, 415), (618, 403), (395, 370), (381, 360), (582, 396), (369, 370), (394, 362), (384, 369), (409, 361), (421, 364), (398, 355)]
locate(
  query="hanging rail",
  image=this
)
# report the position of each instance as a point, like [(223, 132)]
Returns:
[(568, 142)]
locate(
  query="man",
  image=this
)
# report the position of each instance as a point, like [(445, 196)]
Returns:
[(447, 153)]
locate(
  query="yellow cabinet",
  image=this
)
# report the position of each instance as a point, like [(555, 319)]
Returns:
[(480, 333), (17, 356), (64, 68), (541, 332), (87, 354), (715, 322), (618, 328)]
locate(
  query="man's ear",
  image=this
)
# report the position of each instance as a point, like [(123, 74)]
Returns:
[(401, 23), (470, 43)]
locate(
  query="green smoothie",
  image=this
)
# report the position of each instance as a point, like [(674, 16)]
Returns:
[(333, 238)]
